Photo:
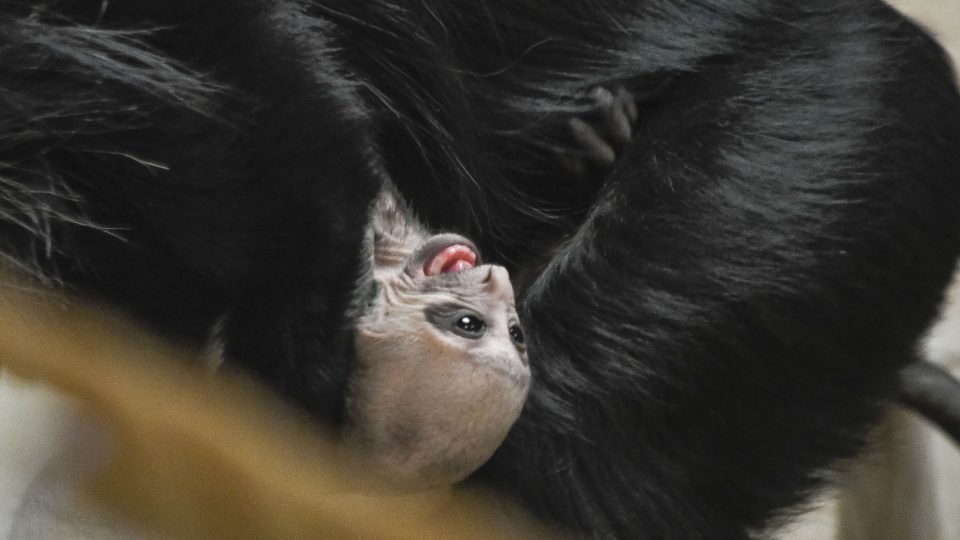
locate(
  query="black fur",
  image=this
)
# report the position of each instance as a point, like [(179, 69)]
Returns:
[(712, 326)]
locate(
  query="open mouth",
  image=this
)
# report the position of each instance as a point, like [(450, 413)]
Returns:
[(450, 259)]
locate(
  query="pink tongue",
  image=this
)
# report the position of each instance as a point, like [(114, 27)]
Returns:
[(451, 259)]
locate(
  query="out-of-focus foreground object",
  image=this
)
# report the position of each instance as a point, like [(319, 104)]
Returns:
[(195, 455)]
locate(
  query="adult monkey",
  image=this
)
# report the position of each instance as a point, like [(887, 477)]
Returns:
[(724, 315), (729, 314)]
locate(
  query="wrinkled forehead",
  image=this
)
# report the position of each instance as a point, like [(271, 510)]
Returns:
[(483, 302), (451, 288)]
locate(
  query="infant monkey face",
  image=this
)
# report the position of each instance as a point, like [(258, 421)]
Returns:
[(442, 371), (471, 314)]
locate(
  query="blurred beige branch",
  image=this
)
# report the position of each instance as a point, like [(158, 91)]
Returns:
[(204, 456)]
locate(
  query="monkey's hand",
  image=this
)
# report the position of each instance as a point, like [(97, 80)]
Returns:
[(601, 134)]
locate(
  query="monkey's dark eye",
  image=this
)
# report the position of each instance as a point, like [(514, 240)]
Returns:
[(457, 319), (516, 334), (470, 326)]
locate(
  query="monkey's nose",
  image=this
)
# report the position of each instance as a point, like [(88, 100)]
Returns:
[(498, 281)]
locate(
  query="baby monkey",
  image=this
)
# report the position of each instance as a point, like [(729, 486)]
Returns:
[(441, 371)]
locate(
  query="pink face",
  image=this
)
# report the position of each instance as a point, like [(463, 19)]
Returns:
[(441, 372)]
